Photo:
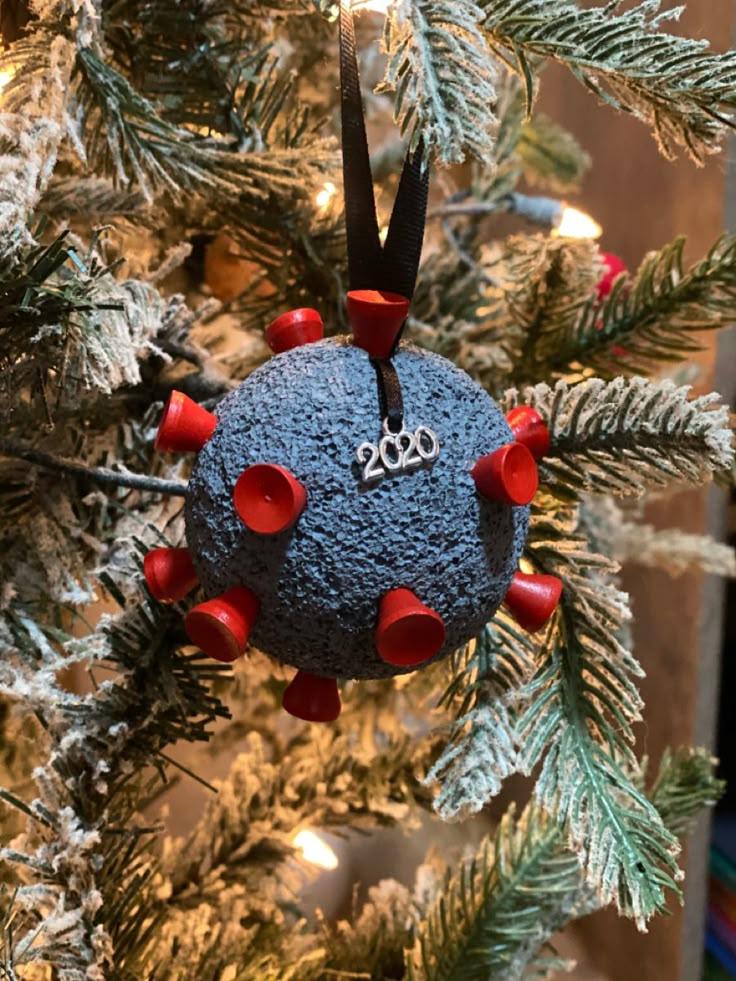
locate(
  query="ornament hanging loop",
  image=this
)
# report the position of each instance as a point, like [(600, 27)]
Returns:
[(393, 267)]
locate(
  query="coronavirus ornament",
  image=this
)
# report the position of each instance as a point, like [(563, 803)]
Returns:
[(334, 543), (358, 507)]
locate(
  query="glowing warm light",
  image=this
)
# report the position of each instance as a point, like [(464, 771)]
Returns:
[(315, 850), (576, 224), (325, 196), (380, 5), (5, 76), (382, 233)]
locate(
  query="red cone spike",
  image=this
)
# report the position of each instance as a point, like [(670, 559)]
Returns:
[(408, 632), (169, 573), (184, 425), (312, 698), (529, 428), (268, 498), (376, 319), (508, 475), (532, 600), (292, 329), (220, 627)]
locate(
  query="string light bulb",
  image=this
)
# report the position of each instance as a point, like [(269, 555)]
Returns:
[(6, 75), (315, 850), (574, 223), (325, 196)]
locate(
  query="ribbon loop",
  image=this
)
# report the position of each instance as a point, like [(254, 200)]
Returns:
[(392, 268)]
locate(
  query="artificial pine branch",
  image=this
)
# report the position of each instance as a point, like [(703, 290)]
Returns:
[(578, 724), (670, 549), (125, 136), (492, 910), (482, 749), (440, 69), (549, 282), (69, 328), (371, 945), (686, 782), (96, 742), (96, 475), (550, 155), (92, 198), (652, 317), (495, 916), (681, 89), (32, 132), (629, 435)]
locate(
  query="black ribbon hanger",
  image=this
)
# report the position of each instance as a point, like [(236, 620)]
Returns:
[(392, 267)]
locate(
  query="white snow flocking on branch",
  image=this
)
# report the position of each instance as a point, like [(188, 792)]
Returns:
[(443, 76), (629, 435)]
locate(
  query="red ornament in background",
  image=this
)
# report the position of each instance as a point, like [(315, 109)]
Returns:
[(530, 429), (613, 266)]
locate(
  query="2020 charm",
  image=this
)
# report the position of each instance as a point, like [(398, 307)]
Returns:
[(397, 453), (338, 577)]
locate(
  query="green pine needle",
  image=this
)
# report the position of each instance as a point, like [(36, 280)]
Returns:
[(680, 88), (629, 435), (495, 916), (653, 317), (441, 71)]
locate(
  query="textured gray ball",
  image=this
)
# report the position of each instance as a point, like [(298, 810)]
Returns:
[(320, 582)]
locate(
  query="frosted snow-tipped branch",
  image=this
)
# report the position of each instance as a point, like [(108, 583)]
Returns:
[(443, 76), (670, 549), (30, 136), (653, 316), (684, 91), (628, 435), (578, 724), (493, 917), (482, 749)]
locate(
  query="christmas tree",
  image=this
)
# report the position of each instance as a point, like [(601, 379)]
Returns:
[(171, 185)]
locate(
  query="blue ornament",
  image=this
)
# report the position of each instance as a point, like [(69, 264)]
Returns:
[(330, 541)]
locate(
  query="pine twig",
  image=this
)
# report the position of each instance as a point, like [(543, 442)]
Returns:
[(443, 76), (679, 87), (98, 475), (628, 435)]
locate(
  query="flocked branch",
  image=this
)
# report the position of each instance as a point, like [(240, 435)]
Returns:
[(629, 435), (681, 89), (441, 71)]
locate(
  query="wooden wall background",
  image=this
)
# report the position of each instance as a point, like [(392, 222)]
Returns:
[(643, 201)]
